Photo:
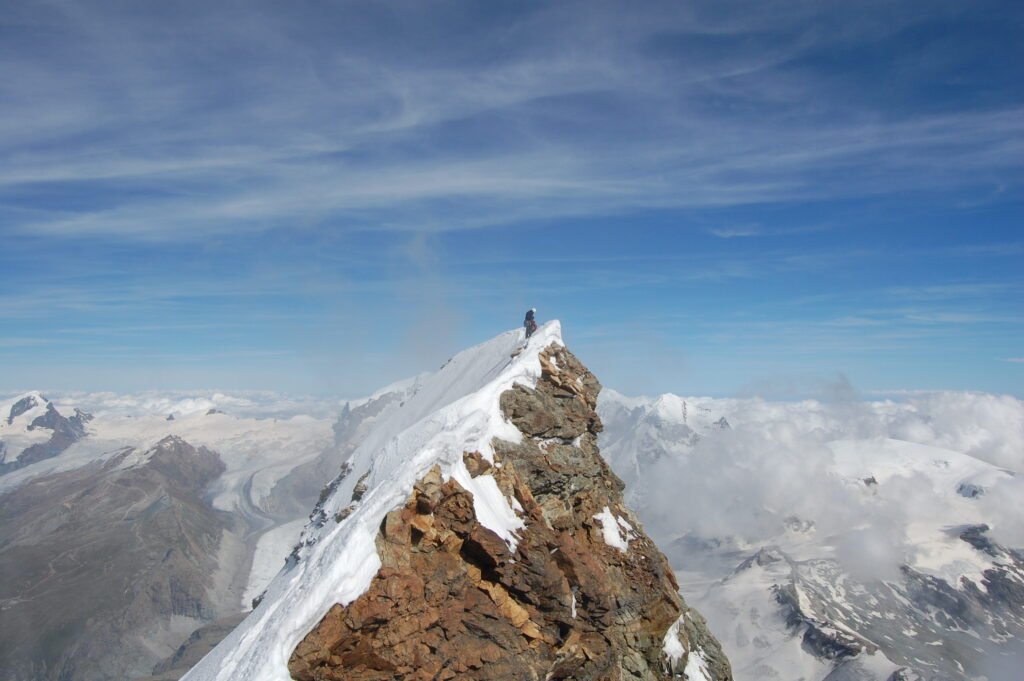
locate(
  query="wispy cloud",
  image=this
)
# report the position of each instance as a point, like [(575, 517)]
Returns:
[(184, 184), (23, 342), (736, 232), (558, 112), (953, 291), (960, 317)]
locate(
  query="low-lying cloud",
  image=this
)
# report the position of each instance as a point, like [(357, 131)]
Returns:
[(779, 472), (251, 404)]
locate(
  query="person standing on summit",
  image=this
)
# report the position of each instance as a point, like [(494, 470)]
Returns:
[(529, 323)]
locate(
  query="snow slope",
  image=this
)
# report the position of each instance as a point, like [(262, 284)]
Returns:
[(272, 548), (453, 411)]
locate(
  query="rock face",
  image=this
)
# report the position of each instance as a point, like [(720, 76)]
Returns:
[(582, 594)]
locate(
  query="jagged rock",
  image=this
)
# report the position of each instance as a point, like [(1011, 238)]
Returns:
[(360, 489), (476, 464), (453, 600)]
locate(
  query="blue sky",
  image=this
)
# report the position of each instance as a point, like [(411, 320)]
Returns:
[(715, 197)]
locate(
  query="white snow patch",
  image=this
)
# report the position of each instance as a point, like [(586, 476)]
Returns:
[(491, 506), (696, 667), (671, 645), (948, 557), (615, 531)]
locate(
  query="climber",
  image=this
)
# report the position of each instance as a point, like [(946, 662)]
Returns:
[(529, 323)]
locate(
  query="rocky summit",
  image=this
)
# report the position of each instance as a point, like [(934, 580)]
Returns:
[(581, 593)]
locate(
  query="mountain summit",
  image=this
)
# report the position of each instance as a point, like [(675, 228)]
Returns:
[(476, 533)]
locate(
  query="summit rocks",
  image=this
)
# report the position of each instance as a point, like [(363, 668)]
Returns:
[(580, 592)]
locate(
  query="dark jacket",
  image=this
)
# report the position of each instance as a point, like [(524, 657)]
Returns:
[(529, 324)]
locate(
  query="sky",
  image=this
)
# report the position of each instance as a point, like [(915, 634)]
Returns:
[(720, 198)]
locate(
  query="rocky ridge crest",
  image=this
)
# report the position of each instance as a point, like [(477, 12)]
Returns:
[(582, 594)]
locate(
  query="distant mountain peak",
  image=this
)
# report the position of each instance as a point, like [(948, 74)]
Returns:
[(28, 416), (24, 404)]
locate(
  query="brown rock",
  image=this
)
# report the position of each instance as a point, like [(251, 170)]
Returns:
[(476, 464)]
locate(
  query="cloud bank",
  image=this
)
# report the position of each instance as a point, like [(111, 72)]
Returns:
[(878, 482), (246, 404)]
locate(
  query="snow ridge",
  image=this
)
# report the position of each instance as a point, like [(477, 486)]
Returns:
[(454, 410)]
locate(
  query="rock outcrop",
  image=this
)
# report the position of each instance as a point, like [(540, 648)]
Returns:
[(582, 593)]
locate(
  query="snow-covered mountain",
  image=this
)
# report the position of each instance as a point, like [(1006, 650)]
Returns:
[(842, 540), (474, 530), (32, 430), (172, 513)]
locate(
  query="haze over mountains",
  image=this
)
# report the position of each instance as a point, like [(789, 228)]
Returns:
[(847, 538)]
